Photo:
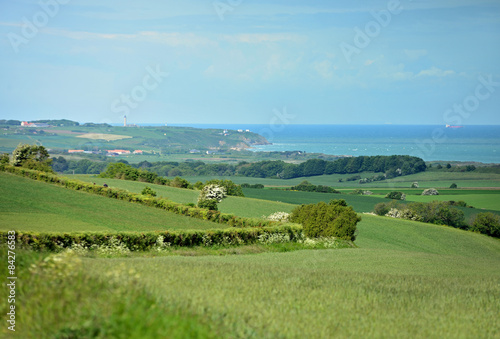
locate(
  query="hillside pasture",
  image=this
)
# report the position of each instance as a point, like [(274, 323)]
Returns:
[(250, 208), (28, 205), (406, 279)]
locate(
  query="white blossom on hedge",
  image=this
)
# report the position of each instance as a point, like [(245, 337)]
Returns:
[(212, 192), (279, 216)]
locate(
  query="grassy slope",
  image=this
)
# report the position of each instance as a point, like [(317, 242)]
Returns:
[(252, 208), (31, 205), (406, 279), (267, 201)]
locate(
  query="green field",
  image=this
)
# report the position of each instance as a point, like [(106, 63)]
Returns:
[(251, 208), (28, 205), (407, 279), (427, 179), (267, 201)]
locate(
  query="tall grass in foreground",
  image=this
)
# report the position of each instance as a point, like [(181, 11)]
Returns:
[(407, 279), (55, 299), (328, 293)]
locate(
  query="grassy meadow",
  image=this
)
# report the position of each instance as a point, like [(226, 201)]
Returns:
[(28, 205), (403, 279), (406, 279)]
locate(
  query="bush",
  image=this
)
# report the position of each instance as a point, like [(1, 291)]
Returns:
[(453, 185), (334, 219), (148, 191), (430, 191), (486, 223), (414, 185), (396, 195), (438, 212), (361, 192), (210, 204), (381, 209)]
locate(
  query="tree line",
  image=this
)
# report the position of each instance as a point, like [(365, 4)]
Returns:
[(388, 166)]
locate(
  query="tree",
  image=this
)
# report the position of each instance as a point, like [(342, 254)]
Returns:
[(32, 156), (210, 195), (230, 187), (453, 185)]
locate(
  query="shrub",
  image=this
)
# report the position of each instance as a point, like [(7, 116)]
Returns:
[(453, 185), (381, 209), (210, 204), (486, 223), (179, 183), (438, 212), (396, 195), (148, 191), (430, 191), (334, 219)]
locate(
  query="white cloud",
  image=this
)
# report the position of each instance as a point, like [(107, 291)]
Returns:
[(435, 72)]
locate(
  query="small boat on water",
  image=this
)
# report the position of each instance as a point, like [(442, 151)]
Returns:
[(451, 126)]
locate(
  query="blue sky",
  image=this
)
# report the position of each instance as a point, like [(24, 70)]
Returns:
[(251, 61)]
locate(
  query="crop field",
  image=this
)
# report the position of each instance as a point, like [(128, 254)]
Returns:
[(425, 180), (251, 208), (406, 279), (103, 136), (28, 205)]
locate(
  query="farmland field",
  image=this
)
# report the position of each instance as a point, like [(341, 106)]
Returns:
[(103, 136), (404, 279), (252, 208), (425, 180), (28, 205), (407, 279)]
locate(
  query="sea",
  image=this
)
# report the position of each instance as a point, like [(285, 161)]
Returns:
[(429, 142)]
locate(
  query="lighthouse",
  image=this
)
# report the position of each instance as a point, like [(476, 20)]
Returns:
[(124, 121)]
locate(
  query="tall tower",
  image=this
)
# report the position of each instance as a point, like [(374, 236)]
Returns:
[(124, 121)]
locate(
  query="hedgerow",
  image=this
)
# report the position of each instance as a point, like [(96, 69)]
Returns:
[(134, 241)]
